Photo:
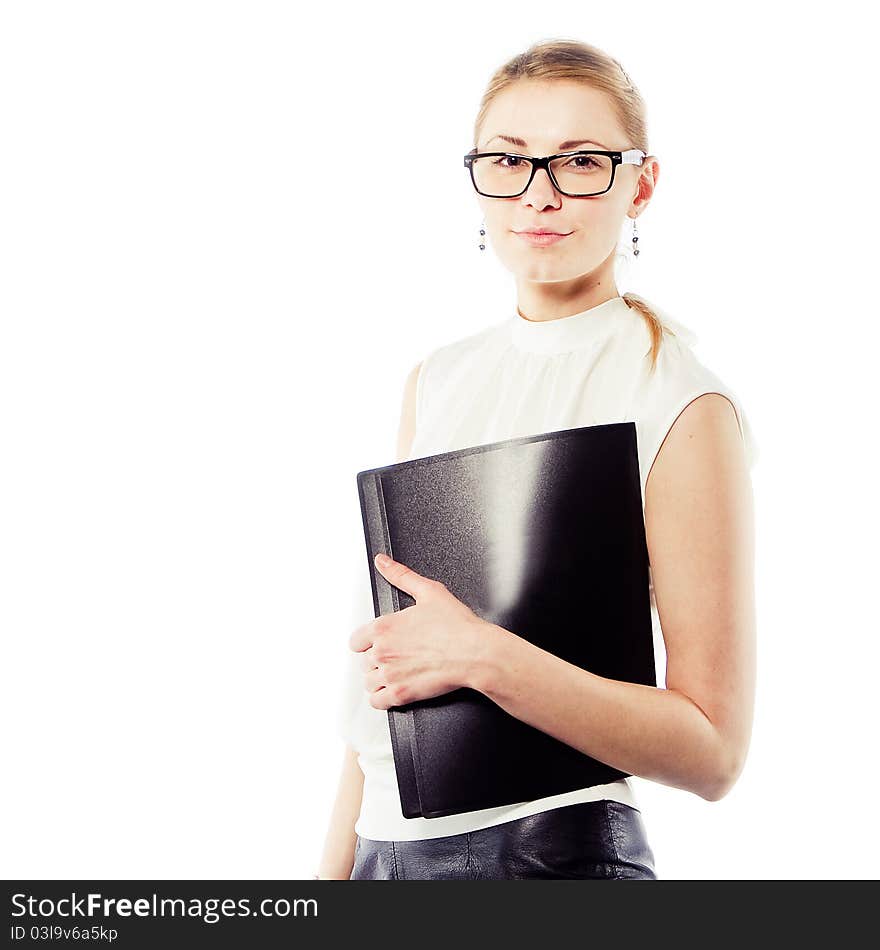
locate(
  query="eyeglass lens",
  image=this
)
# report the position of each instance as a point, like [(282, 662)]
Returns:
[(502, 176)]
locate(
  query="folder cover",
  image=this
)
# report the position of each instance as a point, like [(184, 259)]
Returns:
[(543, 535)]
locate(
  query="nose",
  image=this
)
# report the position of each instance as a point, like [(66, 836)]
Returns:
[(541, 191)]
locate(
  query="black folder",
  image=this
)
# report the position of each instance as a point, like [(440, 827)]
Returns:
[(543, 535)]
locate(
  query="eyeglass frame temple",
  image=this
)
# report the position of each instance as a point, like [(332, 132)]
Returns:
[(629, 156)]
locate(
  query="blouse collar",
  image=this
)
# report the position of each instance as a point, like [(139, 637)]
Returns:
[(573, 332)]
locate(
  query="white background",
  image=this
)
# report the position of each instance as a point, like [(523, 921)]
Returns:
[(203, 341)]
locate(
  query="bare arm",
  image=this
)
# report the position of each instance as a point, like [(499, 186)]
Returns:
[(407, 428), (337, 860), (695, 733)]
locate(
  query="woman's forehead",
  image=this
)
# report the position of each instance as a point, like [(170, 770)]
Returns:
[(545, 115)]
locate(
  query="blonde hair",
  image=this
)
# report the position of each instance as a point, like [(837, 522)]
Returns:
[(581, 62)]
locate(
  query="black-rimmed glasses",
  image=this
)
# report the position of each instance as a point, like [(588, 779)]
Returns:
[(580, 174)]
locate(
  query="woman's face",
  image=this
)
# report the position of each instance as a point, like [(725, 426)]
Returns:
[(548, 117)]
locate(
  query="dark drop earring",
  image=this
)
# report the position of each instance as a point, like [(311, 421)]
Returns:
[(635, 239), (483, 235)]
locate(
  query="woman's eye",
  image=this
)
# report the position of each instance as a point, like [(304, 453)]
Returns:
[(587, 161), (513, 159)]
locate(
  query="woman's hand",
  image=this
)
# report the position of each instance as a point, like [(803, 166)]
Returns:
[(421, 651)]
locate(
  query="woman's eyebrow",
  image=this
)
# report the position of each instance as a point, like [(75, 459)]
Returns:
[(564, 146)]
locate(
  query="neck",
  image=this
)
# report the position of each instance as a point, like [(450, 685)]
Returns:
[(540, 301)]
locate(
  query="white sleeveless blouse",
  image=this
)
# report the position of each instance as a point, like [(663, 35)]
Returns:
[(520, 378)]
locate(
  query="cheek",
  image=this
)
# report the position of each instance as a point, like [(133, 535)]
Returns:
[(602, 231)]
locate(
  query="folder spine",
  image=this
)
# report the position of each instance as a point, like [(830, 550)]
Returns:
[(386, 600)]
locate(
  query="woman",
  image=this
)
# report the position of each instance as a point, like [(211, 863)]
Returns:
[(575, 353)]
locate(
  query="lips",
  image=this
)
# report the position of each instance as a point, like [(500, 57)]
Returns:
[(541, 238)]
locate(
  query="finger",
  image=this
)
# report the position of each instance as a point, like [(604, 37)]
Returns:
[(382, 698), (402, 576), (361, 637), (373, 680)]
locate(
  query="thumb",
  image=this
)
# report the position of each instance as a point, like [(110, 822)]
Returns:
[(402, 576)]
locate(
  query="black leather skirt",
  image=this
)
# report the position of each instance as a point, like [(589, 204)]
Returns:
[(588, 841)]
